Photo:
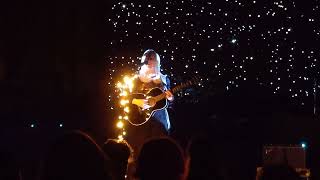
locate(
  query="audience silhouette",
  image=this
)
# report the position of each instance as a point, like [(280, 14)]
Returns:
[(75, 155), (119, 152), (160, 158)]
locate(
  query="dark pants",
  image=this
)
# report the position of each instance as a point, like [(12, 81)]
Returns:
[(137, 135)]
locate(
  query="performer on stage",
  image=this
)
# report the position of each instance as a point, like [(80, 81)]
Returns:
[(149, 77)]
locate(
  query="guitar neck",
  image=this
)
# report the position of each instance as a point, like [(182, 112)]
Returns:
[(173, 91), (160, 97)]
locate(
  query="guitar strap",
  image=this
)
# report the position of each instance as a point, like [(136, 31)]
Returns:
[(164, 81)]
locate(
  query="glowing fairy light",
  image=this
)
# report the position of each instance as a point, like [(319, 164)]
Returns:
[(120, 138), (124, 88), (124, 102), (126, 109), (120, 124), (128, 82), (119, 85), (126, 79), (124, 93)]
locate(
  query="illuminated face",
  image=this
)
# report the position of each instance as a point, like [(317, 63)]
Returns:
[(153, 66)]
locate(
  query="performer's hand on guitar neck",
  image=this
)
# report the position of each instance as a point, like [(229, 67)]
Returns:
[(169, 96)]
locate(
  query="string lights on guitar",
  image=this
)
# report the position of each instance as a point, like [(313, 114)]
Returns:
[(124, 88)]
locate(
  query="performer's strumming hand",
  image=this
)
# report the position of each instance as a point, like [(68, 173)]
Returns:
[(144, 103)]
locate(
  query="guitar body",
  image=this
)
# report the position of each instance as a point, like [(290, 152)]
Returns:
[(139, 116)]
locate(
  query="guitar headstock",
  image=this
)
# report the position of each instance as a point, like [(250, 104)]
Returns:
[(195, 80)]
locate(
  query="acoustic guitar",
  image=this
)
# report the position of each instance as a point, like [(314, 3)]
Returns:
[(156, 100)]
